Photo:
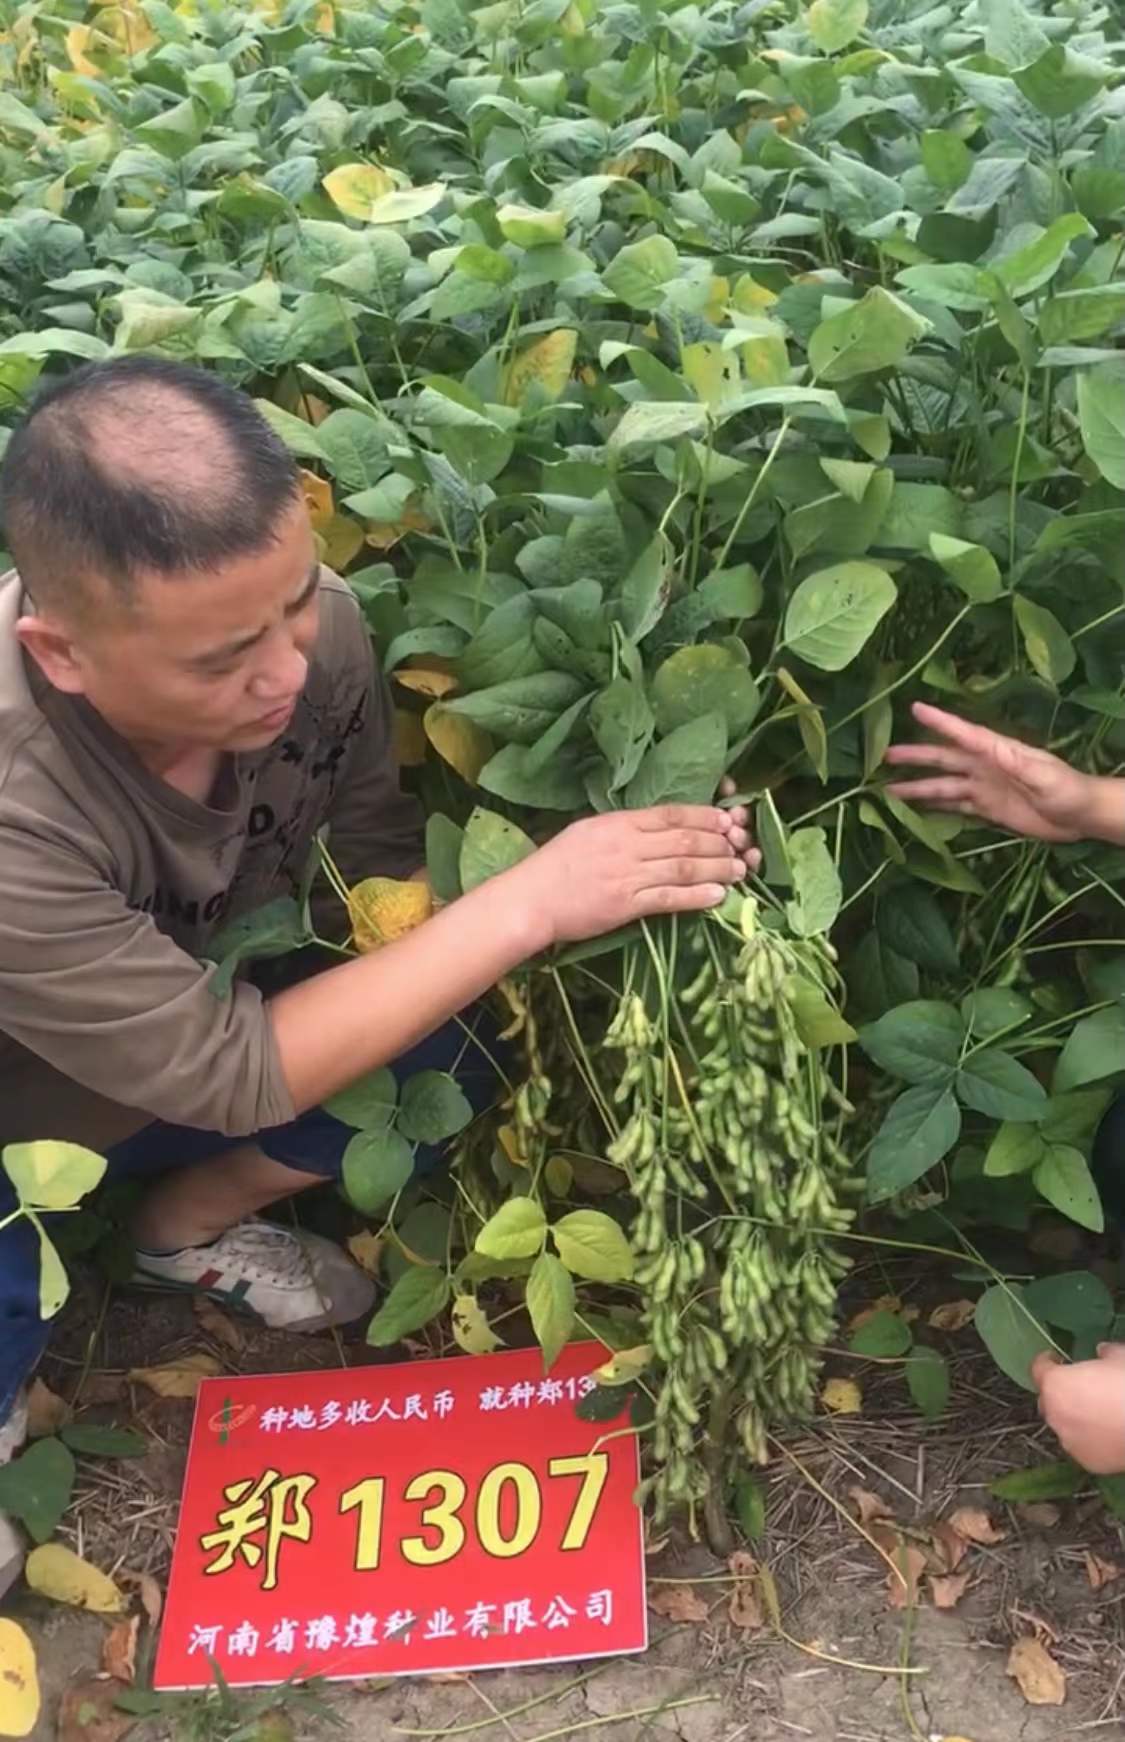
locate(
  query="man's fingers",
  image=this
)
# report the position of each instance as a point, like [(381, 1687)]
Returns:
[(1041, 1366), (690, 844), (976, 739), (949, 792), (1113, 1353), (930, 756), (679, 898), (687, 816), (683, 872)]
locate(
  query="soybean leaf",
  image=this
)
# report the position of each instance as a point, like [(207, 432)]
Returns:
[(444, 840), (750, 1505), (417, 1297), (1101, 413), (91, 1441), (874, 333), (913, 923), (919, 1042), (992, 1009), (1065, 1180), (491, 844), (707, 679), (1011, 1334), (1015, 1148), (273, 930), (919, 1128), (1049, 647), (969, 566), (49, 1174), (991, 1081), (817, 891), (376, 1165), (684, 768), (550, 1302), (1076, 1300), (1095, 1048), (1042, 1482), (882, 1336), (368, 1104), (622, 723), (433, 1107), (516, 1230), (832, 24), (592, 1245), (927, 1375), (833, 612), (36, 1487)]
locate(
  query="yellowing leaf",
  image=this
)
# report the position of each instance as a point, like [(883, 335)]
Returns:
[(19, 1681), (318, 496), (78, 40), (459, 741), (547, 363), (410, 739), (324, 18), (366, 1249), (338, 537), (750, 297), (1041, 1681), (842, 1397), (57, 1572), (382, 909), (354, 187), (510, 1144), (177, 1378), (713, 373), (434, 679), (128, 26), (385, 534), (471, 1329), (718, 295), (625, 1365)]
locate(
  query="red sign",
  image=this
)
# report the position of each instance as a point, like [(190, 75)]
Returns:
[(383, 1521)]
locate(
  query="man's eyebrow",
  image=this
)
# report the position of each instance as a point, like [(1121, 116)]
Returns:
[(231, 649)]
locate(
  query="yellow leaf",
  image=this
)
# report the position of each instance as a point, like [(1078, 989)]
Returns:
[(270, 10), (366, 1249), (842, 1397), (324, 18), (318, 496), (19, 1681), (128, 27), (382, 909), (471, 1329), (178, 1378), (714, 374), (627, 164), (384, 534), (354, 187), (338, 537), (588, 375), (718, 294), (1041, 1681), (458, 741), (410, 739), (572, 22), (78, 40), (435, 679), (547, 363), (625, 1365), (750, 297), (56, 1571), (510, 1144)]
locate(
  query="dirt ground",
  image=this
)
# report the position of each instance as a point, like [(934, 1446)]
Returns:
[(704, 1680)]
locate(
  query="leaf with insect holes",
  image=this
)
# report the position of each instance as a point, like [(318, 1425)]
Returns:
[(833, 613), (19, 1681), (471, 1329)]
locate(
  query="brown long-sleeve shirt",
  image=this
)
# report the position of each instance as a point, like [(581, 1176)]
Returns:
[(113, 884)]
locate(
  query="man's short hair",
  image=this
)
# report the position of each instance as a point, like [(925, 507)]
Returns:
[(138, 465)]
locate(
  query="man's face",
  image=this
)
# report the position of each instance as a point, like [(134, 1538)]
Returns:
[(214, 660)]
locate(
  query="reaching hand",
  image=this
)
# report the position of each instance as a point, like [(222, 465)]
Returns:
[(605, 871), (1084, 1404), (984, 774)]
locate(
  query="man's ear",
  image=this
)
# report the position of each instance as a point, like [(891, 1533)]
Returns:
[(51, 645)]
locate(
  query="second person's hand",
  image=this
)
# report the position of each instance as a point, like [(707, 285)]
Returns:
[(605, 871)]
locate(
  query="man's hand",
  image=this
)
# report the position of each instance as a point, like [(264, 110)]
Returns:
[(605, 871), (1084, 1404), (1028, 791)]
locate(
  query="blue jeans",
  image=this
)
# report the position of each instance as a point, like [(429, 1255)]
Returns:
[(313, 1143)]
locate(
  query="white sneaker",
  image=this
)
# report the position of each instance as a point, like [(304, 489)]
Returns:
[(290, 1281), (13, 1549)]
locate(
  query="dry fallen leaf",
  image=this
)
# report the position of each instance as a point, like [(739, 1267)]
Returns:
[(149, 1592), (46, 1411), (56, 1571), (842, 1397), (366, 1248), (19, 1681), (1041, 1681), (178, 1378), (1101, 1573), (1044, 1514), (974, 1524), (868, 1506), (911, 1562), (950, 1546), (88, 1714), (745, 1601), (886, 1303), (678, 1603), (215, 1322), (953, 1316), (119, 1650), (947, 1589)]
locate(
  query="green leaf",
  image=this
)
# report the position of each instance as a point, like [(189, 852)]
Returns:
[(919, 1128), (927, 1375), (406, 203), (433, 1107), (750, 1506), (36, 1487), (273, 930), (969, 566), (1028, 269), (376, 1165), (992, 1082), (1075, 1300), (992, 1009), (550, 1302), (1010, 1334), (299, 437), (1049, 647), (639, 271), (833, 612), (491, 844), (54, 1286), (622, 723), (706, 679), (773, 838), (517, 1230), (817, 891), (367, 1104), (1060, 81), (1042, 1482), (957, 285), (1078, 315), (883, 1336), (684, 768), (919, 1042), (592, 1245), (874, 333), (644, 591), (913, 924), (832, 24), (732, 593), (650, 422), (444, 841), (51, 1175), (1101, 414), (531, 226), (1015, 1149), (419, 1295), (1112, 1491), (1095, 1048), (521, 709), (946, 159), (818, 1021), (1065, 1180), (810, 723), (91, 1441)]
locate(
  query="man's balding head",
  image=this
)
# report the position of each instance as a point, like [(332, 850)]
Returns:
[(133, 468)]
